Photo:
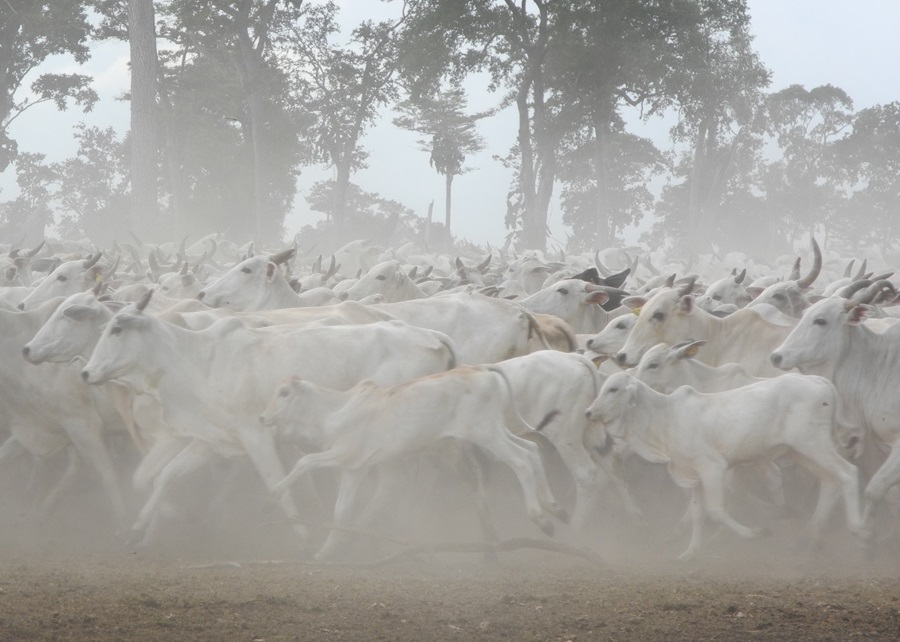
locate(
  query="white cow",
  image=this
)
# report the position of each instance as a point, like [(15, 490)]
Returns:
[(575, 301), (746, 336), (68, 278), (372, 426), (388, 279), (610, 340), (831, 340), (213, 383), (665, 368), (48, 410), (566, 384), (791, 296), (701, 436), (257, 283), (485, 330)]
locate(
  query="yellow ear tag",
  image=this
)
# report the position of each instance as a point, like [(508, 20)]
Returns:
[(598, 360), (98, 277), (636, 312)]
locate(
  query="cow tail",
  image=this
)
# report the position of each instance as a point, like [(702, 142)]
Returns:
[(512, 398), (534, 329)]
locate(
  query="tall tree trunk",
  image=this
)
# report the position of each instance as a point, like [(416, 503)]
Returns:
[(601, 183), (142, 42), (448, 191)]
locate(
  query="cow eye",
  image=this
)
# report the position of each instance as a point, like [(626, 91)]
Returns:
[(717, 297), (820, 321), (380, 277), (246, 270), (613, 390), (284, 392), (658, 316), (620, 326), (778, 295), (62, 277), (116, 329), (563, 291), (653, 366)]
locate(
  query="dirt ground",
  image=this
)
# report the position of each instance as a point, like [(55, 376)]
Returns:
[(68, 577)]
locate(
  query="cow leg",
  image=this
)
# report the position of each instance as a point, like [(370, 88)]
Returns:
[(884, 478), (88, 439), (836, 475), (523, 457), (260, 446), (164, 449), (698, 519), (73, 464), (346, 508), (473, 474), (190, 459), (713, 480), (612, 467)]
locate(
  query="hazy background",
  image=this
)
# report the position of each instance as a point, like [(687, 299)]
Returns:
[(853, 46)]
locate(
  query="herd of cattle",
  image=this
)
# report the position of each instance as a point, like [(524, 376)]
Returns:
[(376, 358)]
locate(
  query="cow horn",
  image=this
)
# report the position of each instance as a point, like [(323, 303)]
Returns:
[(142, 304), (603, 270), (795, 271), (807, 281), (283, 256), (484, 265), (862, 270), (182, 256), (848, 291), (670, 282), (849, 268), (870, 293), (688, 287), (740, 277), (332, 269), (31, 253), (91, 261), (184, 268)]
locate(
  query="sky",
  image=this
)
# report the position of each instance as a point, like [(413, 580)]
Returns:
[(853, 46)]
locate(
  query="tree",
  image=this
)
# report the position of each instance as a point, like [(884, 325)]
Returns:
[(143, 147), (452, 131), (92, 187), (344, 86), (30, 32), (806, 124), (868, 162), (26, 217)]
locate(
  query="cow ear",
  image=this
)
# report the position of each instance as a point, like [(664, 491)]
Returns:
[(634, 303), (689, 350), (270, 270), (79, 312), (860, 313), (599, 359), (686, 304), (754, 291)]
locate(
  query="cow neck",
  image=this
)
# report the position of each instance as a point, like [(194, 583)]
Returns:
[(280, 294), (647, 424), (862, 372)]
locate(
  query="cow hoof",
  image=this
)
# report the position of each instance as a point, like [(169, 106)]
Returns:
[(545, 525), (560, 513), (134, 540)]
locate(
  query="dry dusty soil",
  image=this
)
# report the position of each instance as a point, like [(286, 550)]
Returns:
[(68, 578)]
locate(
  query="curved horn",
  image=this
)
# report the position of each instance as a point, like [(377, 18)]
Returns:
[(484, 265), (184, 269), (91, 261), (284, 255), (688, 287), (604, 272), (870, 293), (145, 300), (670, 282), (848, 291), (849, 268), (807, 280), (181, 251), (332, 270), (862, 270), (108, 273), (795, 271), (740, 277), (31, 253)]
